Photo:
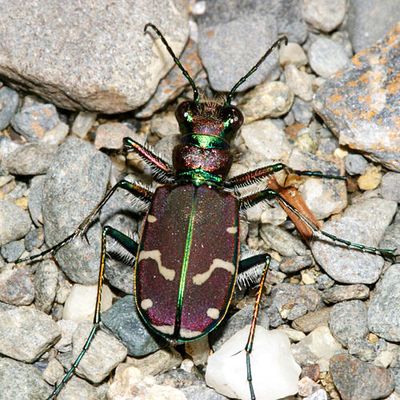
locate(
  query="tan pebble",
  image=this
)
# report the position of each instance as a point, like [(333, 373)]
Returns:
[(22, 202), (371, 179), (372, 338)]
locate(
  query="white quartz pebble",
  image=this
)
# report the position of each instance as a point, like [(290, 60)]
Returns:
[(275, 372)]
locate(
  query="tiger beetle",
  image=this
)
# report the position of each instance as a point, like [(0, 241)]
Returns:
[(187, 261)]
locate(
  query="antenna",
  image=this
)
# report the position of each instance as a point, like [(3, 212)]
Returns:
[(196, 96)]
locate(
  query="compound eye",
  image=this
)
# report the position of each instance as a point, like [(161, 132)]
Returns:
[(185, 112), (232, 118)]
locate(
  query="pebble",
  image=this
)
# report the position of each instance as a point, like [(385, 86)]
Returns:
[(299, 82), (34, 331), (307, 386), (78, 176), (20, 381), (348, 320), (324, 282), (79, 389), (9, 101), (369, 20), (56, 135), (357, 380), (16, 286), (390, 186), (250, 36), (312, 320), (103, 355), (201, 392), (285, 298), (383, 313), (123, 319), (292, 53), (269, 99), (355, 164), (265, 141), (316, 348), (15, 222), (318, 395), (371, 179), (295, 264), (46, 281), (30, 159), (293, 334), (325, 15), (82, 124), (352, 102), (391, 239), (302, 111), (358, 224), (13, 250), (53, 372), (327, 57), (34, 120), (81, 302), (67, 328), (362, 349), (339, 293), (122, 51), (34, 239), (164, 124), (111, 134), (271, 356), (35, 199)]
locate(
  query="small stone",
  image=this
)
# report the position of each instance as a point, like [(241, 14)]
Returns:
[(82, 124), (371, 179), (156, 363), (67, 327), (201, 392), (318, 395), (13, 250), (293, 335), (9, 101), (362, 349), (340, 293), (15, 222), (53, 372), (269, 99), (383, 315), (348, 320), (103, 355), (34, 239), (357, 380), (128, 379), (56, 135), (358, 224), (19, 381), (324, 282), (324, 15), (111, 135), (307, 278), (46, 281), (33, 331), (295, 264), (30, 159), (271, 356), (78, 389), (124, 321), (355, 164), (266, 141), (292, 53), (33, 121), (81, 302), (35, 199), (317, 348), (16, 286), (164, 124), (327, 57), (307, 386), (302, 111), (299, 82), (390, 186)]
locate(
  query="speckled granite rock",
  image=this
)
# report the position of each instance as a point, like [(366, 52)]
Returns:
[(360, 105)]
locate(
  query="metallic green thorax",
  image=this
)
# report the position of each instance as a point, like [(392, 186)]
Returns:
[(200, 177)]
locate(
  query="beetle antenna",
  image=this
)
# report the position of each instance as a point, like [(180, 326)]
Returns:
[(254, 69), (196, 96)]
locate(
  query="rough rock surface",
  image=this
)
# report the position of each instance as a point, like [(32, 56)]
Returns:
[(93, 55)]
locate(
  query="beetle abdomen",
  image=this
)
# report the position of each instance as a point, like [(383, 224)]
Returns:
[(187, 261)]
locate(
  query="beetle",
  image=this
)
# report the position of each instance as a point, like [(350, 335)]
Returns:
[(187, 260)]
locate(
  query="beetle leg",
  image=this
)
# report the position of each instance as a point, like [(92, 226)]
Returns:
[(136, 190), (131, 246), (250, 270), (163, 172), (305, 224), (248, 178)]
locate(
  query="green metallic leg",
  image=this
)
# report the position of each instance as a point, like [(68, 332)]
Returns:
[(132, 247), (255, 176), (136, 190), (269, 194)]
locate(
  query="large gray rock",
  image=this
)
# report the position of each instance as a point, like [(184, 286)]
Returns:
[(89, 55)]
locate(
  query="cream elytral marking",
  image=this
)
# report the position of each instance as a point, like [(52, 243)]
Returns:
[(213, 313), (146, 304), (151, 218), (232, 229), (186, 333), (167, 273), (167, 329), (199, 279)]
